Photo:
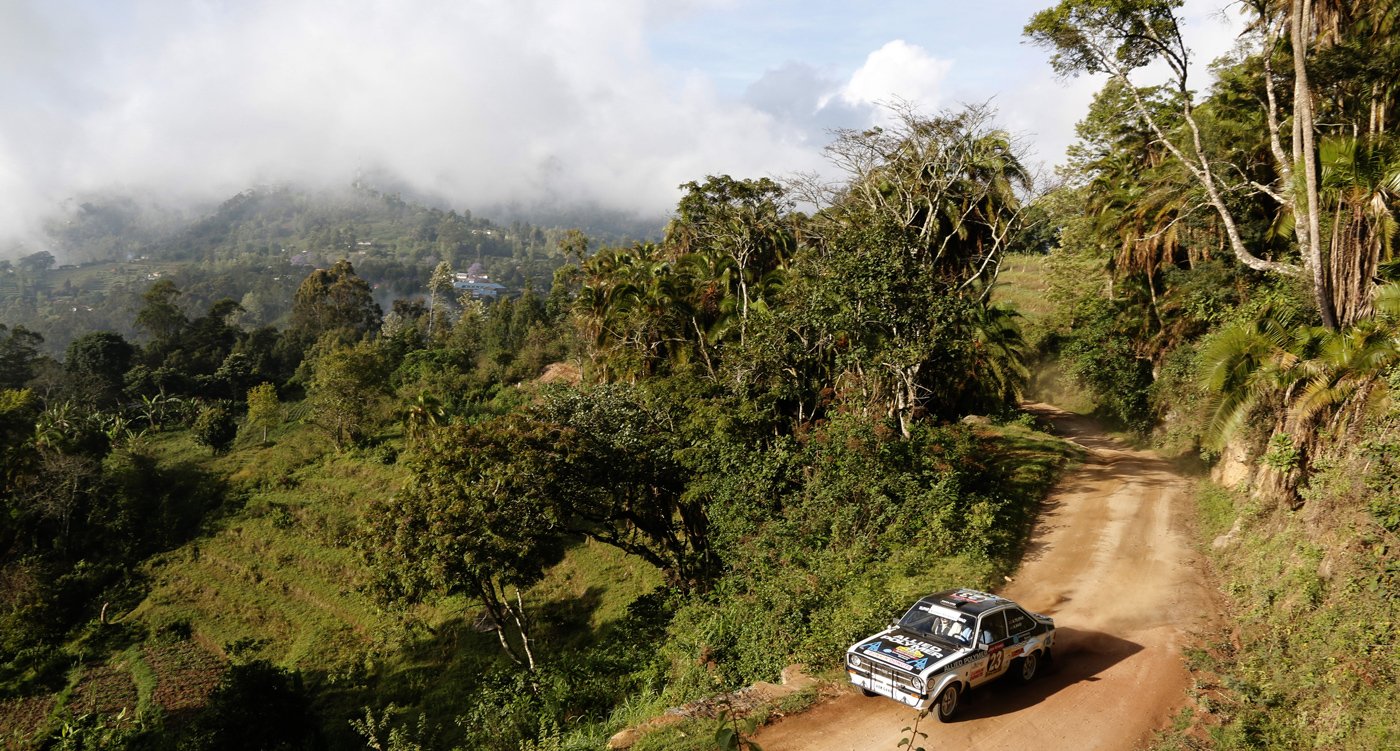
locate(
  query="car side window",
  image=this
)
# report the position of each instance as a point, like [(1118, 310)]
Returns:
[(993, 628), (1018, 622)]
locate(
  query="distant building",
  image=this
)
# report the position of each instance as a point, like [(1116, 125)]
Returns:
[(476, 283)]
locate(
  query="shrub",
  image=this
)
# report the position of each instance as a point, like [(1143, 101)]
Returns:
[(216, 428)]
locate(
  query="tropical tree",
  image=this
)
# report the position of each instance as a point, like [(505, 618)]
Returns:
[(19, 353), (952, 182), (1323, 381), (470, 522), (215, 427), (97, 363), (336, 301), (1360, 181), (876, 299), (439, 294), (1336, 57), (19, 410), (600, 463), (899, 263), (423, 414), (739, 229), (264, 409), (347, 389), (1119, 37), (161, 316), (634, 306)]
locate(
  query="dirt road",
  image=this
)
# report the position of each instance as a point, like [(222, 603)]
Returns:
[(1111, 561)]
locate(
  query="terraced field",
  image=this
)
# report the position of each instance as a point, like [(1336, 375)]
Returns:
[(174, 676), (279, 579)]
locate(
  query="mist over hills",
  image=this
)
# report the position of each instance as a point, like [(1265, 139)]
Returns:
[(99, 254), (119, 225)]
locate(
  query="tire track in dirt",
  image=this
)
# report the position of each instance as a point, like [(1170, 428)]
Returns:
[(1111, 560)]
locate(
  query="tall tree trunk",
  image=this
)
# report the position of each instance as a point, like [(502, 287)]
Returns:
[(1305, 146)]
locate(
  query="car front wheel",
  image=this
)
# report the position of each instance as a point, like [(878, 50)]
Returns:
[(947, 703), (1030, 664)]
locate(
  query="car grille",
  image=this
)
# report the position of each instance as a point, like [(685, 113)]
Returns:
[(883, 673), (894, 675)]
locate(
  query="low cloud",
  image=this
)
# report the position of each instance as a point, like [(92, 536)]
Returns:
[(477, 102)]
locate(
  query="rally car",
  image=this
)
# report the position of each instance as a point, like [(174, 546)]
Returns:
[(947, 643)]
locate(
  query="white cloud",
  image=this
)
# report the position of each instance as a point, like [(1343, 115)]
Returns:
[(479, 101), (898, 70), (1044, 111), (808, 102)]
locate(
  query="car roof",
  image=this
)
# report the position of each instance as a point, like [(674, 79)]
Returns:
[(969, 601)]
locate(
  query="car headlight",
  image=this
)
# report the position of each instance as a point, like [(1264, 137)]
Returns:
[(917, 684), (855, 662)]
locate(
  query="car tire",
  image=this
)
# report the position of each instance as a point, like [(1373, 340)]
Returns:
[(1028, 667), (946, 705)]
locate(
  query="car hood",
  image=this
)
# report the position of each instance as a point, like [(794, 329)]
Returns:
[(909, 650)]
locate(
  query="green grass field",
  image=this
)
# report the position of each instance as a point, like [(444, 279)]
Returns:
[(1023, 285)]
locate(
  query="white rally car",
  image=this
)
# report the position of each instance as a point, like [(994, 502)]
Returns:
[(947, 643)]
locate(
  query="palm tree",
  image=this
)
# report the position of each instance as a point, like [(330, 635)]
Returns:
[(422, 414), (998, 371), (635, 309), (1344, 377), (1359, 183), (1325, 379), (1247, 362)]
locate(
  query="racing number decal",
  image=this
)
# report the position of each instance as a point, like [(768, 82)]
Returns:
[(995, 658)]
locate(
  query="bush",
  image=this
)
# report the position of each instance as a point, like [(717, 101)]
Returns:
[(863, 521), (216, 428)]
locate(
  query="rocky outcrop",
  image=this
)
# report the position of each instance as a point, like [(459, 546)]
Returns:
[(1235, 466)]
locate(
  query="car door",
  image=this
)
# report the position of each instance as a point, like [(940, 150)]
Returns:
[(992, 639)]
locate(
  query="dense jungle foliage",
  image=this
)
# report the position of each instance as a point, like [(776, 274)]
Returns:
[(1225, 283)]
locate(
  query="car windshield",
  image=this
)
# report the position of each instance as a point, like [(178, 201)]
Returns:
[(923, 620)]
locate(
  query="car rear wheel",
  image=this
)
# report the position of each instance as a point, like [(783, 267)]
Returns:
[(947, 703), (1030, 665)]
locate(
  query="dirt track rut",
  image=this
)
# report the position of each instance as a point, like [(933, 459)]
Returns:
[(1111, 560)]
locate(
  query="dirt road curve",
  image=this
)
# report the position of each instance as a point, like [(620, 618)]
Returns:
[(1111, 561)]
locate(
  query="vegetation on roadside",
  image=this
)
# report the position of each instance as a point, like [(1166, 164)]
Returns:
[(1224, 285)]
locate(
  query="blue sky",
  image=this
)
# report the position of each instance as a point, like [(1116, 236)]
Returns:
[(488, 102), (837, 36), (735, 43)]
